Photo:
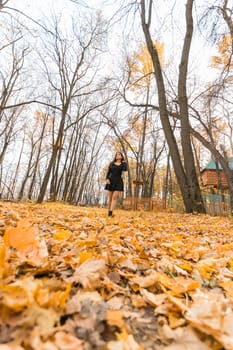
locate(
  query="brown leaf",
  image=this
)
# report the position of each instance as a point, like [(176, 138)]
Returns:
[(146, 281), (184, 339), (153, 299), (89, 273)]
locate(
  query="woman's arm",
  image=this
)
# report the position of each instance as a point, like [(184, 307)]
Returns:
[(124, 166), (108, 172)]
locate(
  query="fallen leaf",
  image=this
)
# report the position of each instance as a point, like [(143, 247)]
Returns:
[(89, 273), (211, 314), (65, 341), (146, 281), (115, 318), (128, 344), (25, 240), (183, 339), (153, 299), (11, 346)]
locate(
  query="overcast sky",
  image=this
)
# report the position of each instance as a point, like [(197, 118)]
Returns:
[(38, 10)]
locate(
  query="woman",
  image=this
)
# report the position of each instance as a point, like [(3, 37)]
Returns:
[(114, 182)]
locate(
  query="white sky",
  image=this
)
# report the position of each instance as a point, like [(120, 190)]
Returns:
[(201, 52)]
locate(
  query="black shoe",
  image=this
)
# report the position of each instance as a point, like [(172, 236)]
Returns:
[(110, 213)]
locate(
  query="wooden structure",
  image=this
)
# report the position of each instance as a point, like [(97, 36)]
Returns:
[(134, 203), (213, 175), (217, 208), (215, 195)]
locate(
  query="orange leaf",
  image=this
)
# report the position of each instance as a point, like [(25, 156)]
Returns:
[(115, 318), (228, 287), (24, 239), (178, 285)]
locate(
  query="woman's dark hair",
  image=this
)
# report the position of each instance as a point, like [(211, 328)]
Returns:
[(122, 158)]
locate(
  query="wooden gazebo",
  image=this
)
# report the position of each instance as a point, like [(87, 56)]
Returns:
[(213, 175)]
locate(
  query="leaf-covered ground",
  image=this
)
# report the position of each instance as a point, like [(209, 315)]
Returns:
[(74, 279)]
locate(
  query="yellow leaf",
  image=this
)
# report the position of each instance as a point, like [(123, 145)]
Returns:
[(20, 294), (185, 266), (83, 256), (88, 243), (175, 320), (62, 234), (178, 285)]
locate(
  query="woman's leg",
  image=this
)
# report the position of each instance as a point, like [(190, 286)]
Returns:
[(110, 193), (114, 200)]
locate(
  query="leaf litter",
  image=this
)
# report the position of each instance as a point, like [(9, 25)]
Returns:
[(74, 279)]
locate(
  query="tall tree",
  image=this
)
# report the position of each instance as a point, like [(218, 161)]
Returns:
[(140, 79), (74, 81), (185, 174)]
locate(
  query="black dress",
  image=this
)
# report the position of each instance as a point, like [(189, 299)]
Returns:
[(114, 175)]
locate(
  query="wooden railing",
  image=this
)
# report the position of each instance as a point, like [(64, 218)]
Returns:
[(217, 208), (134, 203), (216, 204)]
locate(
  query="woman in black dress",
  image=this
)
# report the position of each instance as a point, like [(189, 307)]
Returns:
[(114, 182)]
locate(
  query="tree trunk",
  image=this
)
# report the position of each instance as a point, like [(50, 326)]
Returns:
[(173, 148), (189, 163), (53, 158), (32, 184)]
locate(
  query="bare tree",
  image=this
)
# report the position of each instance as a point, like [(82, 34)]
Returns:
[(3, 4), (186, 175), (74, 81)]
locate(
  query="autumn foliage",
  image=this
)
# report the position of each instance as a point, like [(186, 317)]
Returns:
[(74, 279)]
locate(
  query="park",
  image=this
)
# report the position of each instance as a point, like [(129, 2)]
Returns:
[(116, 175)]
